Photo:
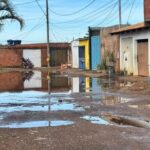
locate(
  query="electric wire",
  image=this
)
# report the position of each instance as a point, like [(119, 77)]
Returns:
[(40, 7), (73, 13), (91, 13), (130, 11)]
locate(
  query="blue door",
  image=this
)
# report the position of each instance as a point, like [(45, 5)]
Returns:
[(82, 57), (95, 52)]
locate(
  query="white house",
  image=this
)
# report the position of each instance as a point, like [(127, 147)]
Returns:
[(135, 49)]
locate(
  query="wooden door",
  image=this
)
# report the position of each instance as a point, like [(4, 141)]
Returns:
[(142, 57)]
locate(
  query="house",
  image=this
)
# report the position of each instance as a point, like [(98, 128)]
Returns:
[(11, 55), (80, 53), (101, 42), (135, 49), (135, 45), (95, 47)]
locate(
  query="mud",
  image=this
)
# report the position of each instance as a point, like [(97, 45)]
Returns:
[(70, 115)]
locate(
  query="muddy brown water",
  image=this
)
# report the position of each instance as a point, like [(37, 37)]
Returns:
[(34, 99)]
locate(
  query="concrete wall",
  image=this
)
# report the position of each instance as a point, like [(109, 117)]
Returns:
[(110, 43), (138, 35), (75, 53), (126, 55), (10, 58)]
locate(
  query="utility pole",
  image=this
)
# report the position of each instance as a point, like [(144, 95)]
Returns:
[(48, 55), (47, 28), (120, 14)]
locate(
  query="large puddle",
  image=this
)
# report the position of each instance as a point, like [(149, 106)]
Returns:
[(32, 93)]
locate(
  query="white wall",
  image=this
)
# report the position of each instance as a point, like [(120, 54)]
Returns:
[(139, 35), (126, 56), (34, 55), (75, 53)]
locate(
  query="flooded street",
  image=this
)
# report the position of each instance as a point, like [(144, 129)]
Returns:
[(41, 107)]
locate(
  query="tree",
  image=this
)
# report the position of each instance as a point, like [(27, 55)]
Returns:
[(7, 12)]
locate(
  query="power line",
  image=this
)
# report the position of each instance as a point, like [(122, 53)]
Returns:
[(40, 7), (93, 13), (25, 3), (73, 13), (130, 10)]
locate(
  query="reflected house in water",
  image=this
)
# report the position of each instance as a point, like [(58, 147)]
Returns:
[(19, 81), (27, 81)]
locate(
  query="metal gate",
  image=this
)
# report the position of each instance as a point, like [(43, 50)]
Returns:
[(95, 52)]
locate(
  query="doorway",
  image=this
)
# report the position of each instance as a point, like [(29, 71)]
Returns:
[(142, 57)]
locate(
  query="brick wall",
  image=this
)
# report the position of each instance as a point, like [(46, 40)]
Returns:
[(110, 43), (147, 10), (10, 58), (11, 81)]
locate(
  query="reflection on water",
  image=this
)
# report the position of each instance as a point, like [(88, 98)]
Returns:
[(33, 124), (142, 106), (113, 100), (41, 92), (95, 120)]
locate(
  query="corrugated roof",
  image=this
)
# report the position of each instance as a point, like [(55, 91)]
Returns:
[(131, 28)]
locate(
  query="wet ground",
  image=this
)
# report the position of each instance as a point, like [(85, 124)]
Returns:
[(39, 110)]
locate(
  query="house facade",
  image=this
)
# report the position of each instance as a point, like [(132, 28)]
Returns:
[(11, 56), (101, 42), (80, 53), (135, 49)]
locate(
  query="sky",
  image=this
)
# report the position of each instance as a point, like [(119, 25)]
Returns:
[(69, 19)]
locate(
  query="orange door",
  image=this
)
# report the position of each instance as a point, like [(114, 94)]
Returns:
[(142, 53)]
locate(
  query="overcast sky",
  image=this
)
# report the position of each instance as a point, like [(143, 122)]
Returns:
[(68, 18)]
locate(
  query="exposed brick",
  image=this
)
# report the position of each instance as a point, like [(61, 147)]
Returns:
[(10, 58), (147, 10), (11, 81), (110, 43)]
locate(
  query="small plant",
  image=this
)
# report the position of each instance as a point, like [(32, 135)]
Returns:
[(110, 56), (123, 72), (131, 74), (102, 66)]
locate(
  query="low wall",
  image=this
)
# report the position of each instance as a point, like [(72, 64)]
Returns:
[(10, 58)]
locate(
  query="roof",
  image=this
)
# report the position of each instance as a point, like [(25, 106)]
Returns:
[(36, 46), (131, 28)]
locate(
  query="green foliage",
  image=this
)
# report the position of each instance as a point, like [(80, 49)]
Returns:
[(102, 66), (123, 72), (110, 56), (8, 13)]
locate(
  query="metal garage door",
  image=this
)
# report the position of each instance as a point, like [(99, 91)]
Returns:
[(142, 57)]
